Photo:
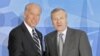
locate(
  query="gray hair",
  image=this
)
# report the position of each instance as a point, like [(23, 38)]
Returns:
[(57, 9)]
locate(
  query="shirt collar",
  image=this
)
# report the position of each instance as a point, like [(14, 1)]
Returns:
[(29, 28), (63, 32)]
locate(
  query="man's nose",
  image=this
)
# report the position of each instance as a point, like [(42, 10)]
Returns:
[(58, 21)]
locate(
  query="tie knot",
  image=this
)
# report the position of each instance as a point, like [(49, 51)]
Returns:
[(34, 33), (61, 34)]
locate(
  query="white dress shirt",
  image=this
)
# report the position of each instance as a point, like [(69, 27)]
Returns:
[(29, 28), (64, 35)]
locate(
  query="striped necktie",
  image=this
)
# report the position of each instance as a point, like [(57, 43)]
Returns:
[(37, 42)]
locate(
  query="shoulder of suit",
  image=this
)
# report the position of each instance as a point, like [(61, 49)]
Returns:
[(77, 30), (16, 29), (51, 34)]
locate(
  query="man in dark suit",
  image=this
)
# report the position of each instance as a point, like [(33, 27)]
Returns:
[(25, 39), (65, 41)]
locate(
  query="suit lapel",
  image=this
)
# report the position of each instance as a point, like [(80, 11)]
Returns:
[(29, 37), (54, 42), (27, 34), (66, 44), (67, 40)]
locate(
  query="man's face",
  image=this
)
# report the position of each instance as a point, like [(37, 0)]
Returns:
[(32, 15), (59, 20)]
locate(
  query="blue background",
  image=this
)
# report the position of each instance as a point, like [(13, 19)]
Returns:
[(82, 14)]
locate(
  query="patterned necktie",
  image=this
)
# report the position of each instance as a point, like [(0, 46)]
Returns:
[(60, 44), (37, 42)]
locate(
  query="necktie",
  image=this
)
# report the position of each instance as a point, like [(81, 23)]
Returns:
[(37, 42), (60, 44)]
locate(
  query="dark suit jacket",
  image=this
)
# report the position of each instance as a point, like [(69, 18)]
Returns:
[(21, 43), (76, 44)]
